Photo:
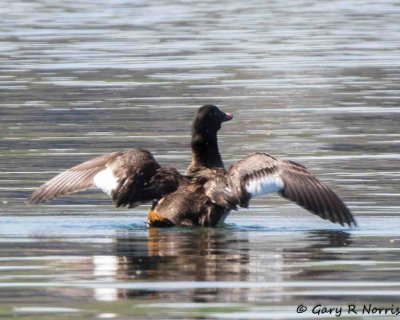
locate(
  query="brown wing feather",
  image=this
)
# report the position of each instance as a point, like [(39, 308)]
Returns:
[(309, 192), (253, 167), (138, 177), (134, 170), (298, 185), (76, 179)]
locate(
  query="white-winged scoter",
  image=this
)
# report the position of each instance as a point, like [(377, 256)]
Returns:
[(206, 193)]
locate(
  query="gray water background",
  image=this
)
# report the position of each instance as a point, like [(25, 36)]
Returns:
[(317, 82)]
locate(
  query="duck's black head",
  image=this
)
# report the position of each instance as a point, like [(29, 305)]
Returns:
[(204, 142), (208, 120)]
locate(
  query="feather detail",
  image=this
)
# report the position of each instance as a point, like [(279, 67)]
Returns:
[(125, 176), (260, 174), (106, 181), (263, 185)]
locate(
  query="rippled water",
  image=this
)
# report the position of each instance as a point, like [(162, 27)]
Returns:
[(313, 81)]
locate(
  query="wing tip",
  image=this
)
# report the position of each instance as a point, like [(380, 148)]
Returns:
[(36, 197), (344, 218), (353, 222), (349, 219)]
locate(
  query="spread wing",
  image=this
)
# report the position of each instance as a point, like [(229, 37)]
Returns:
[(260, 174), (75, 179), (130, 177)]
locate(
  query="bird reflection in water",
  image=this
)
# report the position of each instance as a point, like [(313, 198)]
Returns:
[(320, 249), (200, 254), (209, 254)]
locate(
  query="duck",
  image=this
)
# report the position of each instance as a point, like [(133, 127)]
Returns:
[(206, 193)]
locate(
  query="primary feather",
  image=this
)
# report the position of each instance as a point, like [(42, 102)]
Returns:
[(260, 174)]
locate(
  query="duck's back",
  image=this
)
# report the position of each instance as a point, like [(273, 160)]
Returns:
[(189, 204)]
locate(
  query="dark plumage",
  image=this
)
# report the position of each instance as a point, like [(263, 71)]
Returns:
[(207, 193)]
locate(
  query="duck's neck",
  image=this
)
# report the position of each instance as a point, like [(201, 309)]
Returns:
[(205, 151)]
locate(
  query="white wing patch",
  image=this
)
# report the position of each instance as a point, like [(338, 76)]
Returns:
[(106, 181), (264, 185)]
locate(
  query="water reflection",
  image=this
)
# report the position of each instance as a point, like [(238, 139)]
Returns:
[(184, 255), (200, 265), (205, 255), (212, 255), (316, 252)]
